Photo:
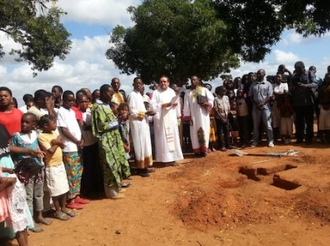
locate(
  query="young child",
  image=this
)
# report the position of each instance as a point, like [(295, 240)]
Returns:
[(243, 118), (6, 162), (114, 108), (213, 133), (18, 218), (56, 178), (221, 109), (286, 128), (233, 122), (73, 144), (27, 139), (121, 113), (231, 95), (123, 110), (5, 182)]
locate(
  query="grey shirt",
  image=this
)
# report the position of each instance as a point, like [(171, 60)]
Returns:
[(259, 92)]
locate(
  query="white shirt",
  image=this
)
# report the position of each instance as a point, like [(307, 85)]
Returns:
[(23, 109), (26, 138), (279, 89), (67, 118)]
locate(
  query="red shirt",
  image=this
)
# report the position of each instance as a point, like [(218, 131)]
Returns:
[(78, 113), (12, 120)]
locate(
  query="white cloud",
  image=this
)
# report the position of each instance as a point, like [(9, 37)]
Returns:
[(284, 57), (8, 44), (293, 38), (88, 49), (269, 67), (3, 71), (85, 66), (247, 67), (323, 66), (103, 12)]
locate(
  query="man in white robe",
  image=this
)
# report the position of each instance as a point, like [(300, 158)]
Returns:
[(140, 132), (167, 141), (198, 102)]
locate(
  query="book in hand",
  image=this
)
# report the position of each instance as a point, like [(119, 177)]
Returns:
[(201, 99), (175, 99)]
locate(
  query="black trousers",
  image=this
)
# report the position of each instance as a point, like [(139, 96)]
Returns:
[(244, 129), (92, 177), (304, 117)]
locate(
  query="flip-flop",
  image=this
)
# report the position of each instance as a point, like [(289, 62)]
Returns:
[(125, 185), (36, 229), (61, 216), (44, 221), (69, 212)]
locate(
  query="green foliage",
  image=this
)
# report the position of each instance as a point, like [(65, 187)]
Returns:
[(176, 38), (226, 76), (42, 36), (255, 25), (308, 17), (180, 38)]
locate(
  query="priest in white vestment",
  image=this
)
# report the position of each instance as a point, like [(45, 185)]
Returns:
[(198, 102), (139, 127), (167, 140)]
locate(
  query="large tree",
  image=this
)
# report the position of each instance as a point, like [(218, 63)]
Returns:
[(206, 37), (37, 28), (255, 25), (176, 38)]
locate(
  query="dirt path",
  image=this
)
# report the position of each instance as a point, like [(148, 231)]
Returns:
[(218, 200)]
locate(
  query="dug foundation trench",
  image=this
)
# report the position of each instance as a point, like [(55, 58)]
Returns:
[(257, 172)]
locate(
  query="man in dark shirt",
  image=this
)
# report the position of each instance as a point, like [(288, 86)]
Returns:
[(303, 81)]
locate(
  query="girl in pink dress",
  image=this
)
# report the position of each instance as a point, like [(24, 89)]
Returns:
[(4, 183), (18, 217)]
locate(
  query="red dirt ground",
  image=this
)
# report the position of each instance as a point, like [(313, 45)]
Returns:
[(222, 199)]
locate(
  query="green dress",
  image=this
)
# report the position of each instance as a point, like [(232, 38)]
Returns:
[(111, 150)]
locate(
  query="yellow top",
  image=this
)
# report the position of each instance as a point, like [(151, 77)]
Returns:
[(117, 98), (50, 159)]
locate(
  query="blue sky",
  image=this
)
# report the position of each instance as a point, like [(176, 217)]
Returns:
[(90, 23)]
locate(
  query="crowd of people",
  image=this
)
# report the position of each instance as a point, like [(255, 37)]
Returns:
[(278, 104), (62, 146)]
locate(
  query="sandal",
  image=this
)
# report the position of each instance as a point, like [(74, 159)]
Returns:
[(36, 229), (69, 212), (125, 184), (49, 213), (61, 216), (44, 221)]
